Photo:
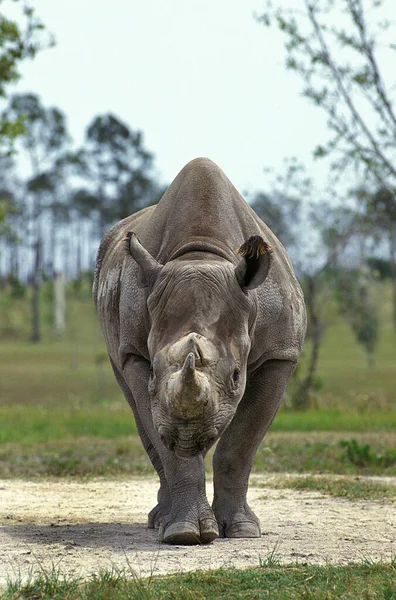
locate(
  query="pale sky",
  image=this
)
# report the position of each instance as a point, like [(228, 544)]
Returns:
[(198, 77)]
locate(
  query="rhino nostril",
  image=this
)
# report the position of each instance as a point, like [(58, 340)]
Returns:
[(168, 441), (207, 440)]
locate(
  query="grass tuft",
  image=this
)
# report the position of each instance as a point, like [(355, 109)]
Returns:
[(289, 582), (342, 487), (272, 559)]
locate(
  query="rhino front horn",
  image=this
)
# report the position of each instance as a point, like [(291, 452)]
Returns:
[(188, 390), (188, 367)]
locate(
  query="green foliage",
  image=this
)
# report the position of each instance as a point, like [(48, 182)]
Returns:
[(44, 136), (18, 289), (20, 39), (362, 455), (353, 294), (119, 167), (320, 452), (379, 267)]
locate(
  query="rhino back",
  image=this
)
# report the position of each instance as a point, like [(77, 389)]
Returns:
[(201, 204), (200, 209)]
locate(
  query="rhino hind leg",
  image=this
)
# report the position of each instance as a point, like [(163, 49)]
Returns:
[(235, 452)]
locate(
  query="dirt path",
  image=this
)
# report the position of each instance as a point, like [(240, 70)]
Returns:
[(81, 528)]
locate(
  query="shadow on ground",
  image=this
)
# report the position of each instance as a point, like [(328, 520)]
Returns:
[(117, 536)]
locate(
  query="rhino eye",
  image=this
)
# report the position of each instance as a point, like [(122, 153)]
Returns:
[(235, 376), (152, 384)]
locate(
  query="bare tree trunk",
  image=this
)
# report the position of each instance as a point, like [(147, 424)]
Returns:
[(78, 250), (59, 303), (36, 336), (392, 258), (52, 241), (15, 260)]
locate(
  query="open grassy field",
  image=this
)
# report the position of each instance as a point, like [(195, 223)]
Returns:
[(62, 391)]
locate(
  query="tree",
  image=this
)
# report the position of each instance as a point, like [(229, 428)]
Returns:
[(353, 291), (119, 168), (319, 231), (379, 208), (280, 207), (340, 48), (20, 39), (44, 140), (336, 226)]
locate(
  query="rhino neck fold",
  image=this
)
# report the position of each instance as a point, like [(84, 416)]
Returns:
[(201, 243)]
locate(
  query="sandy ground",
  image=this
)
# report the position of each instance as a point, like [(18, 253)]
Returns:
[(81, 528)]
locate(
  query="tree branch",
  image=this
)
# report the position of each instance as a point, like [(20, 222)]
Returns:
[(358, 17), (343, 92)]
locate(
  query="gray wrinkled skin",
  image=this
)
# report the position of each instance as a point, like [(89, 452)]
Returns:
[(202, 342)]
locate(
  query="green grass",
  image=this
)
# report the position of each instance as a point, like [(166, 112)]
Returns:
[(293, 582), (82, 457), (325, 452), (32, 425), (89, 456), (59, 398), (36, 424), (58, 371), (340, 487), (334, 420)]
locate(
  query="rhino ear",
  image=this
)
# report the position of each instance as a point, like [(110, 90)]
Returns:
[(254, 265), (149, 268)]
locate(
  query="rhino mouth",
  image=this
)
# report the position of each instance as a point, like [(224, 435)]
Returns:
[(183, 444), (187, 453)]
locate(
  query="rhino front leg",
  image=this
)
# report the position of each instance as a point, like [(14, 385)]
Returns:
[(164, 504), (183, 513), (235, 452)]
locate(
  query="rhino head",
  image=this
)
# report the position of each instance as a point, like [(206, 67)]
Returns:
[(201, 322)]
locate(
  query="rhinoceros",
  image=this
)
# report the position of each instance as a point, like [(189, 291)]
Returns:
[(204, 322)]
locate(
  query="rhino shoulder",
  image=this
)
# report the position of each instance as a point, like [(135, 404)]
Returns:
[(111, 247)]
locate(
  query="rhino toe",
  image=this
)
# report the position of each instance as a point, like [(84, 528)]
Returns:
[(209, 530), (188, 533), (242, 529), (242, 523), (157, 514), (184, 532)]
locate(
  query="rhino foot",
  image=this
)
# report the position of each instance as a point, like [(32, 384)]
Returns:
[(243, 524), (157, 514), (204, 531)]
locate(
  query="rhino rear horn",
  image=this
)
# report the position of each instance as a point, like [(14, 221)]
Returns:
[(149, 268), (255, 262)]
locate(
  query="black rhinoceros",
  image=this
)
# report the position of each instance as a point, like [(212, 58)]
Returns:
[(204, 322)]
